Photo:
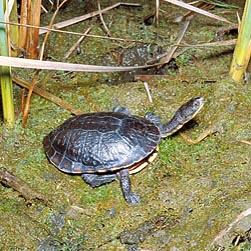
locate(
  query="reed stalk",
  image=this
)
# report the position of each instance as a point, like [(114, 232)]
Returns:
[(242, 50), (5, 78), (13, 30), (34, 11), (23, 21)]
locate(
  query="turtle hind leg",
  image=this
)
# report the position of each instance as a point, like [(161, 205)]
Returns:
[(125, 183), (96, 180)]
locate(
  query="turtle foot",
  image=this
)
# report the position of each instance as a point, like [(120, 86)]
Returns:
[(125, 183)]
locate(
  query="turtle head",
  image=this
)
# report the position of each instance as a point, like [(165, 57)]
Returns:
[(189, 110), (184, 114)]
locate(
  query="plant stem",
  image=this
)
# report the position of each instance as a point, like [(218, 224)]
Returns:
[(5, 78), (242, 50)]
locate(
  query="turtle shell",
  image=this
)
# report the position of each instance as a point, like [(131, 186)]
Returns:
[(101, 142)]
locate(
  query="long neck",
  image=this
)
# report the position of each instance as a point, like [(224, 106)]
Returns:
[(172, 126), (185, 113)]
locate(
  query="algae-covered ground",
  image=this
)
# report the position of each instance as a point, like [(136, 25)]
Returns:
[(188, 194)]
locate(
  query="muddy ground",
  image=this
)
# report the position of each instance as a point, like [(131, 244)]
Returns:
[(189, 193)]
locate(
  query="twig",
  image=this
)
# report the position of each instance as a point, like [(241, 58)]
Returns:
[(76, 44), (200, 5), (49, 97), (182, 33), (50, 65), (198, 10), (44, 9), (48, 31), (10, 180), (69, 52), (157, 13), (208, 131), (27, 104), (103, 21), (87, 16), (148, 92), (75, 33), (212, 44), (231, 225), (246, 142)]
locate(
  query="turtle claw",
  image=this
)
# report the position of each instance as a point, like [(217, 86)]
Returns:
[(132, 199)]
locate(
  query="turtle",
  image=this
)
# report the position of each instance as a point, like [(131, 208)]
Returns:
[(105, 146)]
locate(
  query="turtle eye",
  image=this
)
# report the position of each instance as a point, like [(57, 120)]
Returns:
[(198, 102)]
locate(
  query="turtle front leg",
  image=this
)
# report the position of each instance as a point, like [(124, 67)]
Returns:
[(125, 183)]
